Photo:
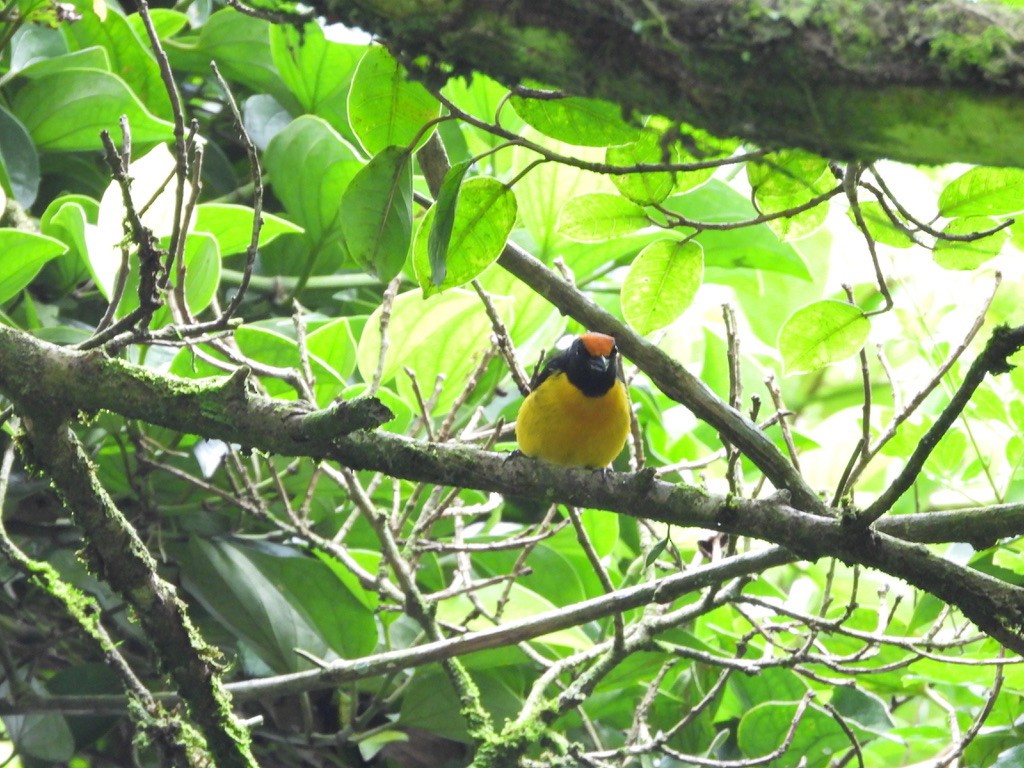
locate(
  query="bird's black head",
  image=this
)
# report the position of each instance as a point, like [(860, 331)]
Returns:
[(592, 363)]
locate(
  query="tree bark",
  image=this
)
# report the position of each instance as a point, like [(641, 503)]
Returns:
[(926, 82)]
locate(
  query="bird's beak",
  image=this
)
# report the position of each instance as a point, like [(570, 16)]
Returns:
[(599, 363)]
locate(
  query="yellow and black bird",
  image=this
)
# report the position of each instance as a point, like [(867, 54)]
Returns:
[(577, 412)]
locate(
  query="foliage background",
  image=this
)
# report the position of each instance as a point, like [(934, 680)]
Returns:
[(837, 304)]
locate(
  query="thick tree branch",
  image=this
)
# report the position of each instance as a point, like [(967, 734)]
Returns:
[(120, 557), (996, 607), (921, 82)]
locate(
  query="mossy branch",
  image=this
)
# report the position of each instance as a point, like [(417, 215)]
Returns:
[(933, 81), (116, 553)]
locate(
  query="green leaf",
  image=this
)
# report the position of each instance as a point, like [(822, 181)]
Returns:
[(335, 345), (969, 254), (129, 56), (232, 226), (24, 254), (44, 736), (753, 247), (317, 71), (764, 727), (444, 218), (522, 603), (385, 107), (661, 283), (788, 179), (864, 708), (484, 218), (577, 120), (65, 112), (984, 192), (310, 168), (66, 219), (267, 344), (276, 601), (32, 44), (598, 216), (240, 45), (643, 188), (880, 227), (90, 58), (19, 161), (822, 333), (444, 334), (376, 213), (202, 259), (166, 21)]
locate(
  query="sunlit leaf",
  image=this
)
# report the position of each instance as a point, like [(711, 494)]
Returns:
[(822, 333), (984, 192), (385, 107), (661, 283), (484, 217), (595, 217), (969, 254), (576, 120)]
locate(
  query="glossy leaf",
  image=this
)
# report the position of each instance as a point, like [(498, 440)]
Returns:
[(984, 192), (483, 220), (822, 333), (385, 107), (661, 283), (24, 254), (129, 55), (598, 216), (577, 120), (232, 226), (240, 44), (317, 71), (310, 167), (376, 213), (65, 112), (276, 601)]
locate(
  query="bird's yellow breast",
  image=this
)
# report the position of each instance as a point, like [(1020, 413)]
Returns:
[(558, 423)]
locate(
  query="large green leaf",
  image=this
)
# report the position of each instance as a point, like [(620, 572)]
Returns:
[(880, 226), (317, 71), (65, 112), (310, 168), (822, 333), (483, 220), (577, 120), (598, 216), (376, 213), (24, 254), (984, 192), (764, 727), (277, 601), (232, 226), (129, 56), (385, 107), (443, 335), (644, 188), (661, 283), (240, 44)]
